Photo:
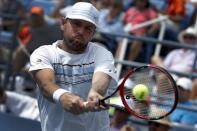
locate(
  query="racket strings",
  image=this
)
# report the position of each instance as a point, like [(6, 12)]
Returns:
[(161, 93), (164, 100), (164, 88)]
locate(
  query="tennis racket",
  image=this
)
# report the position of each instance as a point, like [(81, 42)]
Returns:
[(162, 90)]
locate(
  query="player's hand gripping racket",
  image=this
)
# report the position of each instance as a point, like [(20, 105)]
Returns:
[(152, 89)]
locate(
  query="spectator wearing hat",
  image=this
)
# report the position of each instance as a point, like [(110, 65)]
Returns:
[(181, 115), (34, 33), (180, 60)]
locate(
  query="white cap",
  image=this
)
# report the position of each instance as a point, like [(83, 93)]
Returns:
[(189, 31), (63, 12), (128, 83), (83, 11), (185, 83)]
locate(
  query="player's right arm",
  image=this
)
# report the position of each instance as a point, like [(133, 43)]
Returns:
[(45, 79), (41, 66)]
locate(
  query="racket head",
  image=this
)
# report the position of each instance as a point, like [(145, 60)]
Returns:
[(163, 93)]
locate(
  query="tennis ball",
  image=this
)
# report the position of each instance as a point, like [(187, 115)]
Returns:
[(140, 92)]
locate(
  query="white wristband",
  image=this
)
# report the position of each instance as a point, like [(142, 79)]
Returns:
[(57, 94)]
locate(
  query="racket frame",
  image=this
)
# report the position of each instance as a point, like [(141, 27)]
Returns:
[(130, 111)]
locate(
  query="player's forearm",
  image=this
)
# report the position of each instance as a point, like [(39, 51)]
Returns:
[(100, 83), (46, 82), (47, 89)]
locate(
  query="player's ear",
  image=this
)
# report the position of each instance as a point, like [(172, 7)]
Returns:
[(62, 22)]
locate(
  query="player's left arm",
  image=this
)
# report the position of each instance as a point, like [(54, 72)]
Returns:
[(100, 83), (104, 77)]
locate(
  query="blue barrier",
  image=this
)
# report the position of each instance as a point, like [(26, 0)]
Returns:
[(12, 123)]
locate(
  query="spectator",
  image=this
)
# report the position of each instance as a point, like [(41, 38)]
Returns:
[(175, 11), (19, 105), (38, 33), (137, 14), (181, 115), (110, 21), (177, 19), (180, 60)]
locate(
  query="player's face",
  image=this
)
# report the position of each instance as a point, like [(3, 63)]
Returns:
[(77, 34)]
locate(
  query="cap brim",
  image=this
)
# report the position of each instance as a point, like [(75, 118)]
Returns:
[(79, 17)]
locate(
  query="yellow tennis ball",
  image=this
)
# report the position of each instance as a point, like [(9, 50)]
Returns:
[(140, 92)]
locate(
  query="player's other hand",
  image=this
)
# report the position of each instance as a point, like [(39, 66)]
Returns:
[(93, 104), (72, 103)]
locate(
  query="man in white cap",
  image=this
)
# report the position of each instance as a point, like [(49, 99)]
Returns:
[(72, 71), (180, 60), (181, 115)]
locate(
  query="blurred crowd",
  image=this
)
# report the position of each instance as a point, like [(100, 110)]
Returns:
[(37, 22)]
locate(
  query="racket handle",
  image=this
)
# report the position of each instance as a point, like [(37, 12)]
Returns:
[(117, 107)]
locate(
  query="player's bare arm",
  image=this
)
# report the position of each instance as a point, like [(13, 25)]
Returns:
[(100, 83), (46, 81), (99, 87)]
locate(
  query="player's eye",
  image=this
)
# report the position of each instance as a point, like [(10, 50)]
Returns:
[(90, 29)]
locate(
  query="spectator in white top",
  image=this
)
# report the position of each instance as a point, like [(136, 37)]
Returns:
[(19, 105), (180, 60)]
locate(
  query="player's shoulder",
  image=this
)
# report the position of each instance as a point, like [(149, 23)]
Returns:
[(47, 47), (97, 46), (100, 51), (45, 50)]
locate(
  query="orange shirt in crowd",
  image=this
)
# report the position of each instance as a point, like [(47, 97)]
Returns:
[(176, 7)]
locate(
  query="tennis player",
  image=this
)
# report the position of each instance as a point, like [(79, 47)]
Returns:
[(72, 71)]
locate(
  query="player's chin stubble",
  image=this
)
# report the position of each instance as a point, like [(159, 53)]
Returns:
[(73, 46)]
